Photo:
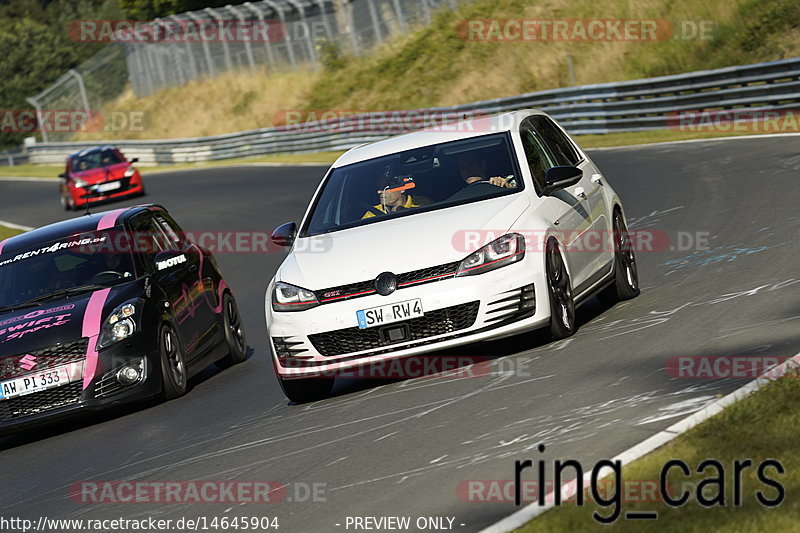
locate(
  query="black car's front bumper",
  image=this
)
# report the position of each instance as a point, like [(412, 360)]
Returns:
[(103, 391)]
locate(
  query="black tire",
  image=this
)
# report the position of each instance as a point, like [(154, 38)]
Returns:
[(306, 389), (626, 276), (234, 333), (173, 365), (65, 204), (562, 305)]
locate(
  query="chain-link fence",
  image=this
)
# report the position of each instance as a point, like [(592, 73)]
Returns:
[(279, 35)]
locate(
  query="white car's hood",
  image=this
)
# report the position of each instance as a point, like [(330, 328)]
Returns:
[(399, 245)]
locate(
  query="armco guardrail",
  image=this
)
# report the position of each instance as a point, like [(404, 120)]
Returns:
[(630, 106)]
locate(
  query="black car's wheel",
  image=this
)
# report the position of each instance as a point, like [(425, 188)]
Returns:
[(626, 276), (562, 306), (173, 366), (306, 389), (234, 333)]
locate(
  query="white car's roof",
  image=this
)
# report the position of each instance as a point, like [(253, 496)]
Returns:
[(463, 129)]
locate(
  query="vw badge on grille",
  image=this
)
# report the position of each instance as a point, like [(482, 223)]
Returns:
[(385, 283)]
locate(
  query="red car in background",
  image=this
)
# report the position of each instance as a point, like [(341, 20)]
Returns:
[(98, 175)]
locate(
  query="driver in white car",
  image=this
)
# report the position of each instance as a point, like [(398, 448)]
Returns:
[(473, 170), (393, 195)]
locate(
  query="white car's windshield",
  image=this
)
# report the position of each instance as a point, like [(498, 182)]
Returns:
[(422, 179)]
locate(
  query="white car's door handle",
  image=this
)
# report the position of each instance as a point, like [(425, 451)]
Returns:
[(580, 192), (597, 178)]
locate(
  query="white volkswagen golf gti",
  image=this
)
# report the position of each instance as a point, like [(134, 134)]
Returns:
[(465, 232)]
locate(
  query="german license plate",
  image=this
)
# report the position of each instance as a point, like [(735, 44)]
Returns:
[(39, 381), (386, 314), (111, 186)]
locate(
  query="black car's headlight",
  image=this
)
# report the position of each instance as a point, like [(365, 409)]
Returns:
[(119, 325), (286, 297), (506, 250)]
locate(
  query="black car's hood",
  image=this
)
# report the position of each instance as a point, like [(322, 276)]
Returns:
[(60, 319)]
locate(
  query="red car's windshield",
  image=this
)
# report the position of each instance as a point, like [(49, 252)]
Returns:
[(96, 159)]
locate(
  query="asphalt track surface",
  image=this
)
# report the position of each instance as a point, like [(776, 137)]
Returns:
[(401, 448)]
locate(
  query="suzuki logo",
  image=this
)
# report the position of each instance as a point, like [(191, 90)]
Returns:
[(27, 362)]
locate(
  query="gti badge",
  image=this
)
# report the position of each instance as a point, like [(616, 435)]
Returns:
[(27, 362), (385, 283)]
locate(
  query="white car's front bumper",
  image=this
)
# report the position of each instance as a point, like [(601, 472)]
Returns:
[(324, 339)]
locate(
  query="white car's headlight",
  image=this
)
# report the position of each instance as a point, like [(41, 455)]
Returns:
[(506, 250), (80, 183), (286, 297), (119, 325), (130, 171)]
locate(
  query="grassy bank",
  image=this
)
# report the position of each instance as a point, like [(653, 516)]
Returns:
[(435, 66), (6, 232)]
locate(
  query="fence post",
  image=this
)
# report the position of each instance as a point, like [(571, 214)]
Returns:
[(344, 17), (328, 32), (209, 60), (225, 49), (375, 23), (36, 105), (426, 11), (279, 10), (268, 43), (312, 54), (75, 74), (399, 14), (248, 50)]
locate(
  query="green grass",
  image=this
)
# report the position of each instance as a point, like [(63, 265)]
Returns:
[(6, 232), (760, 427)]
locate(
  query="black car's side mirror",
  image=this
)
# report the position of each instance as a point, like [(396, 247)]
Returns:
[(134, 160), (560, 177), (284, 234)]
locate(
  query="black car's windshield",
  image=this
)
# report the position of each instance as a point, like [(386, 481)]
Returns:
[(422, 179), (95, 159), (66, 266)]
